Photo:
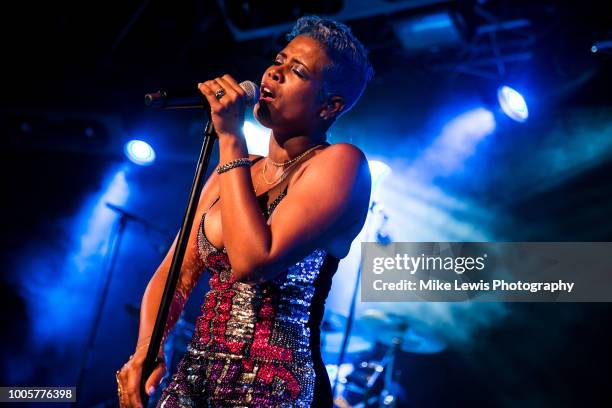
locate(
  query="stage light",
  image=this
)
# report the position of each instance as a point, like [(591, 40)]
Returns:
[(601, 46), (257, 138), (429, 31), (379, 171), (512, 103), (140, 152)]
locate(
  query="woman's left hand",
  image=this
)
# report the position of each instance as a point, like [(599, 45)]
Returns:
[(227, 111)]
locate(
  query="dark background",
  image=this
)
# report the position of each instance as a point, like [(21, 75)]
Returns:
[(74, 80)]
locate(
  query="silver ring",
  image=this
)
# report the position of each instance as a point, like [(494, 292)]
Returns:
[(219, 94)]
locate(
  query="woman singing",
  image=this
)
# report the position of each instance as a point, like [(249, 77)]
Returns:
[(270, 230)]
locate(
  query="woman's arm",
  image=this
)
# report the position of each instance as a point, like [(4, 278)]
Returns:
[(330, 196)]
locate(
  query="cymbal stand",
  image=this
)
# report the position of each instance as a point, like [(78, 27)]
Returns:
[(387, 365), (351, 312), (387, 399)]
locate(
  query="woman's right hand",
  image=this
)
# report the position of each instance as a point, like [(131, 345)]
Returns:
[(128, 380)]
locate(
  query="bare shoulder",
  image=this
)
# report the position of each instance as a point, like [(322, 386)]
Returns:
[(343, 152), (341, 159), (341, 171), (342, 162)]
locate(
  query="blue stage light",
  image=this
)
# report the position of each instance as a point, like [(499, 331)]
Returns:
[(140, 152), (428, 31), (512, 103)]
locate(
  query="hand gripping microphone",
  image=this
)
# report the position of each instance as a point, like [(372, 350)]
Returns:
[(164, 100)]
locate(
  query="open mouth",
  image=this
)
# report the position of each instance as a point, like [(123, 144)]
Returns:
[(266, 94)]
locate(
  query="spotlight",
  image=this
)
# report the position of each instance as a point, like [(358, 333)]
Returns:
[(257, 138), (604, 46), (434, 31), (512, 103), (378, 171), (140, 152)]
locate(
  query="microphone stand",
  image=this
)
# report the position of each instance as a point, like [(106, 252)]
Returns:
[(111, 261), (177, 259)]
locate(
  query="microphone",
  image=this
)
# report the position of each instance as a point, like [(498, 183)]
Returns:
[(164, 100)]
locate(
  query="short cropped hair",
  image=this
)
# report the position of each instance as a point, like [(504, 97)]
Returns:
[(350, 70)]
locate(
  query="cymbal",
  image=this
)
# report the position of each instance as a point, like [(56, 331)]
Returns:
[(332, 342), (374, 323), (387, 328), (419, 342)]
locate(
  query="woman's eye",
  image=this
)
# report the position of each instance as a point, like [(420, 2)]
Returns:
[(297, 71)]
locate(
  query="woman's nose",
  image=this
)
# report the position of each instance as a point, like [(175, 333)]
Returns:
[(275, 74)]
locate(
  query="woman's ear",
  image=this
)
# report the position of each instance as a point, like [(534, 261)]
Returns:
[(332, 107)]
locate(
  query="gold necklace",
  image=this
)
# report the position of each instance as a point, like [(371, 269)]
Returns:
[(280, 180), (294, 159), (294, 162)]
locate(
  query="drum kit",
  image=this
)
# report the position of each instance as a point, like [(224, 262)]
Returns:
[(364, 381)]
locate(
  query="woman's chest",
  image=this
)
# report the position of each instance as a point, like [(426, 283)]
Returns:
[(212, 221)]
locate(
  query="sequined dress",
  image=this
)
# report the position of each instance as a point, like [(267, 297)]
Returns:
[(256, 345)]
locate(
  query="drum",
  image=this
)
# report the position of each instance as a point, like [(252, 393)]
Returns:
[(361, 387), (364, 387)]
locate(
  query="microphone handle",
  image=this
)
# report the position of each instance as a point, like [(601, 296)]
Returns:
[(162, 100)]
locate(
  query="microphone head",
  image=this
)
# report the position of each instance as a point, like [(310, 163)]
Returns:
[(252, 92)]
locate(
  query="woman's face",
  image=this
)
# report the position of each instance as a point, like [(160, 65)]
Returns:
[(290, 88)]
